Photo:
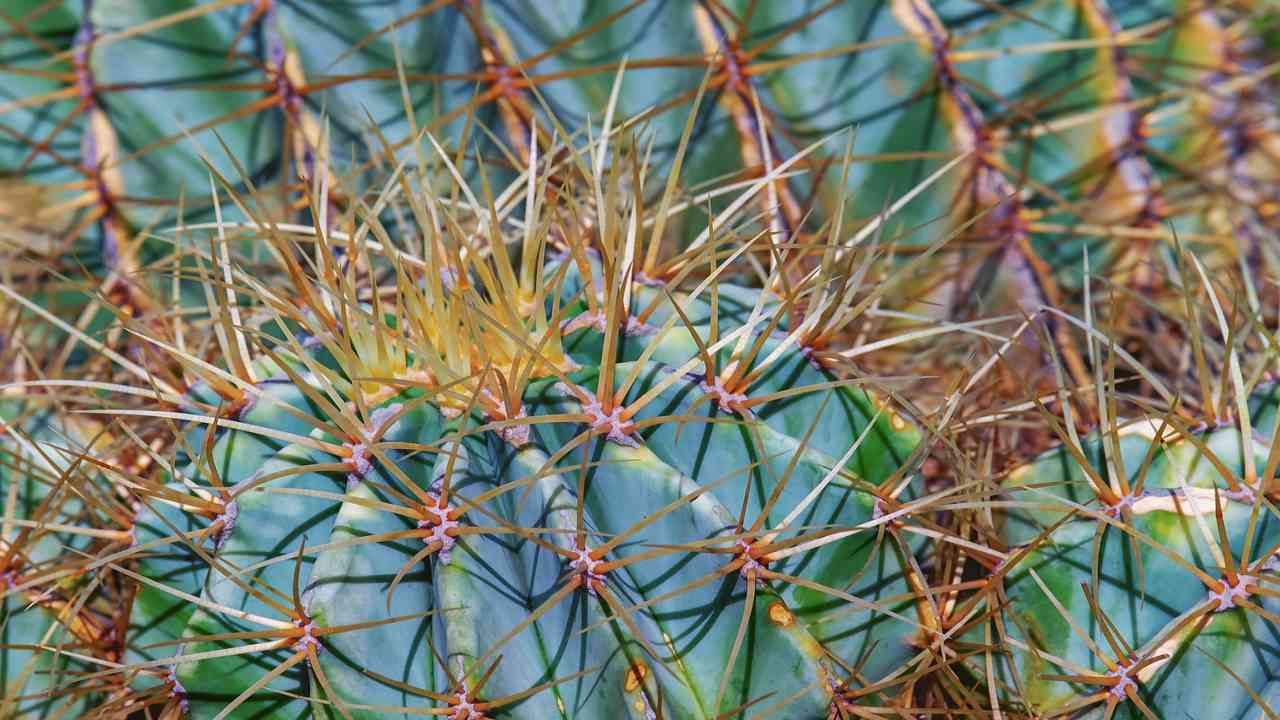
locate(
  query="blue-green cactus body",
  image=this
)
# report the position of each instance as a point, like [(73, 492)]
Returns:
[(1138, 562), (655, 636)]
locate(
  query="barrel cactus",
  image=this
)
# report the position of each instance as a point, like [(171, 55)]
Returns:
[(1140, 573), (527, 482)]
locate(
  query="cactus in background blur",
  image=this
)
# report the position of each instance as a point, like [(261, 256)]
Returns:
[(1140, 572), (1084, 124)]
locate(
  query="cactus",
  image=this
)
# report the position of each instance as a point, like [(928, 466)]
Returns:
[(515, 359), (53, 519), (525, 484), (1138, 572), (1056, 105), (53, 614), (1031, 146)]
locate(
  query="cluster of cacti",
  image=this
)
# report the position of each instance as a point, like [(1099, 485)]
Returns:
[(648, 359)]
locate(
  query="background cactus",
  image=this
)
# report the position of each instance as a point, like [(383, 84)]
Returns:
[(1064, 116), (1139, 572)]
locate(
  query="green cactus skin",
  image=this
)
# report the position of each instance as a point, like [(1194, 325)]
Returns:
[(460, 601), (1142, 579)]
